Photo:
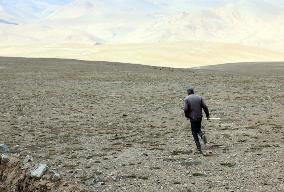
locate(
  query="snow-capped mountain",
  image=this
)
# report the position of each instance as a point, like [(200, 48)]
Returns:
[(248, 22), (108, 19)]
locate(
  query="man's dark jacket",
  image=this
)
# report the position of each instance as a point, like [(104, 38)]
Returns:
[(193, 106)]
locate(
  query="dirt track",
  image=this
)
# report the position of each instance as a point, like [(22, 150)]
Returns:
[(120, 127)]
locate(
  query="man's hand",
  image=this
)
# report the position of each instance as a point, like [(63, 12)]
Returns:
[(208, 118)]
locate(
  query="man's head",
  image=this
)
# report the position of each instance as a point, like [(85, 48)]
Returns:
[(190, 91)]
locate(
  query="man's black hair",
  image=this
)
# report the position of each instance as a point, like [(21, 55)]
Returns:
[(190, 90)]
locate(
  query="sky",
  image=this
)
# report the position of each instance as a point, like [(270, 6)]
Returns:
[(25, 5), (201, 2), (57, 2), (22, 11)]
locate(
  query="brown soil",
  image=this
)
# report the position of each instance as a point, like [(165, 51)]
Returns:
[(120, 127), (15, 178)]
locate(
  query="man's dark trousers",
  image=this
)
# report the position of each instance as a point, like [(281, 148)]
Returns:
[(196, 130)]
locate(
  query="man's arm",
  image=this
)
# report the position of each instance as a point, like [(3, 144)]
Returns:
[(205, 108), (186, 108)]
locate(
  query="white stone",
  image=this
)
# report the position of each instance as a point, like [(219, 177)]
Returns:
[(39, 171)]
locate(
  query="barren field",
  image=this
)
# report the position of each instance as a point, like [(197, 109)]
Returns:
[(120, 127)]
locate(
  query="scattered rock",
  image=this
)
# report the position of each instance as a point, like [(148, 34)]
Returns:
[(228, 164), (112, 177), (27, 162), (143, 177), (16, 148), (190, 162), (102, 183), (181, 152), (28, 159), (145, 154), (4, 148), (4, 158), (198, 174), (208, 153), (90, 182), (55, 176), (39, 171)]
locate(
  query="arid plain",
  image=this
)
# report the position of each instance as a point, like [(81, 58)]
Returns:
[(120, 127)]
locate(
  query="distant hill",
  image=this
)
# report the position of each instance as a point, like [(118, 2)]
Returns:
[(254, 24), (184, 54), (245, 24)]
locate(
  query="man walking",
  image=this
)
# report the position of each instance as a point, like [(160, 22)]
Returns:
[(193, 111)]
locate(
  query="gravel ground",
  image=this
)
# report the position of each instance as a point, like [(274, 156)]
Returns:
[(120, 127)]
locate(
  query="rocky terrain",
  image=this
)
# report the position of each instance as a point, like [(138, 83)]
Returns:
[(120, 127)]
